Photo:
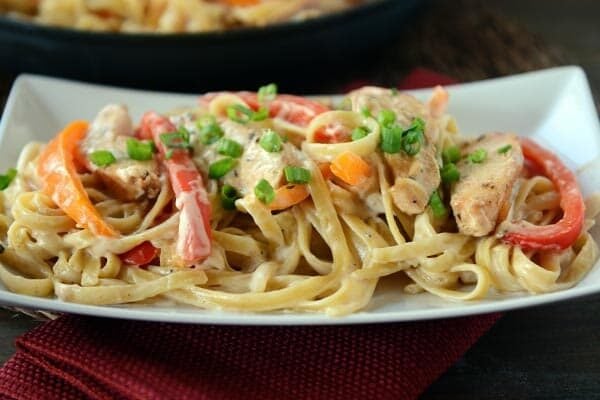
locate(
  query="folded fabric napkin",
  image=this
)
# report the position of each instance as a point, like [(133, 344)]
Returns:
[(76, 357)]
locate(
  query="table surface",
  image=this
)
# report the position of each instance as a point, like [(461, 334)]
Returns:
[(548, 352)]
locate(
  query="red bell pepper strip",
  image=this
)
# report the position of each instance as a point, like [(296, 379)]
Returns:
[(142, 254), (563, 233), (194, 236), (293, 109)]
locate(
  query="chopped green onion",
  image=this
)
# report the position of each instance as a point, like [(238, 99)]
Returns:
[(176, 140), (365, 112), (220, 168), (102, 158), (239, 113), (394, 138), (7, 178), (260, 115), (451, 154), (394, 91), (417, 125), (267, 92), (449, 173), (271, 141), (243, 114), (391, 139), (359, 132), (228, 147), (229, 195), (478, 156), (209, 130), (296, 174), (264, 191), (386, 117), (140, 151), (437, 205), (169, 154), (411, 142), (504, 149)]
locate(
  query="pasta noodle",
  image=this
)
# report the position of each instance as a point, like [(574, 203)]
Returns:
[(168, 16), (213, 207)]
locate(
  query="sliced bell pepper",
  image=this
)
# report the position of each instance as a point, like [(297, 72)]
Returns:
[(194, 236), (58, 175), (563, 233)]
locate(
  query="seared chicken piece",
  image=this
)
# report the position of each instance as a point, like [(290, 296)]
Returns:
[(415, 177), (484, 188), (127, 179), (257, 163)]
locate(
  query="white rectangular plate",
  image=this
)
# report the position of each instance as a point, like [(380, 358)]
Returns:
[(554, 106)]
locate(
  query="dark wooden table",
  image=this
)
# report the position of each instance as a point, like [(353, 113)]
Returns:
[(549, 352)]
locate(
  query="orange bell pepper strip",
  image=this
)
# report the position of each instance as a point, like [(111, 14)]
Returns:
[(287, 196), (194, 236), (350, 168), (563, 233), (58, 174)]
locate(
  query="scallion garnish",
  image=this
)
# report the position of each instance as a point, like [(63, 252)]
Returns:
[(478, 156), (260, 115), (264, 191), (267, 92), (7, 178), (437, 205), (209, 130), (102, 158), (229, 195), (296, 174), (394, 138), (411, 142), (359, 132), (449, 173), (242, 114), (451, 154), (228, 147), (239, 113), (504, 149), (394, 91), (140, 151), (220, 168), (386, 117), (176, 140), (271, 141), (391, 139), (366, 112)]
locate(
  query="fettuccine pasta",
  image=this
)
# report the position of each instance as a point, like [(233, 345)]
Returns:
[(266, 202), (168, 16)]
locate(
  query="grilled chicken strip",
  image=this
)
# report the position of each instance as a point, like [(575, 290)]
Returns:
[(415, 177), (484, 188), (127, 179), (255, 163)]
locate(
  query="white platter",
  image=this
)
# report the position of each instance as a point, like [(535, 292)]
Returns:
[(554, 106)]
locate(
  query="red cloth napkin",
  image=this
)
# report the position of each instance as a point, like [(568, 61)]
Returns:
[(78, 357)]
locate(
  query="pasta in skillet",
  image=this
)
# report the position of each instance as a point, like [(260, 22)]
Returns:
[(169, 16), (265, 201)]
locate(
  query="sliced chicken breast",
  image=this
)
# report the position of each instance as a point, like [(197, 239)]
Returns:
[(484, 187), (415, 177), (127, 179)]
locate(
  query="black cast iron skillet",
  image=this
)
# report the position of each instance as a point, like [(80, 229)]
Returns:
[(290, 53)]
